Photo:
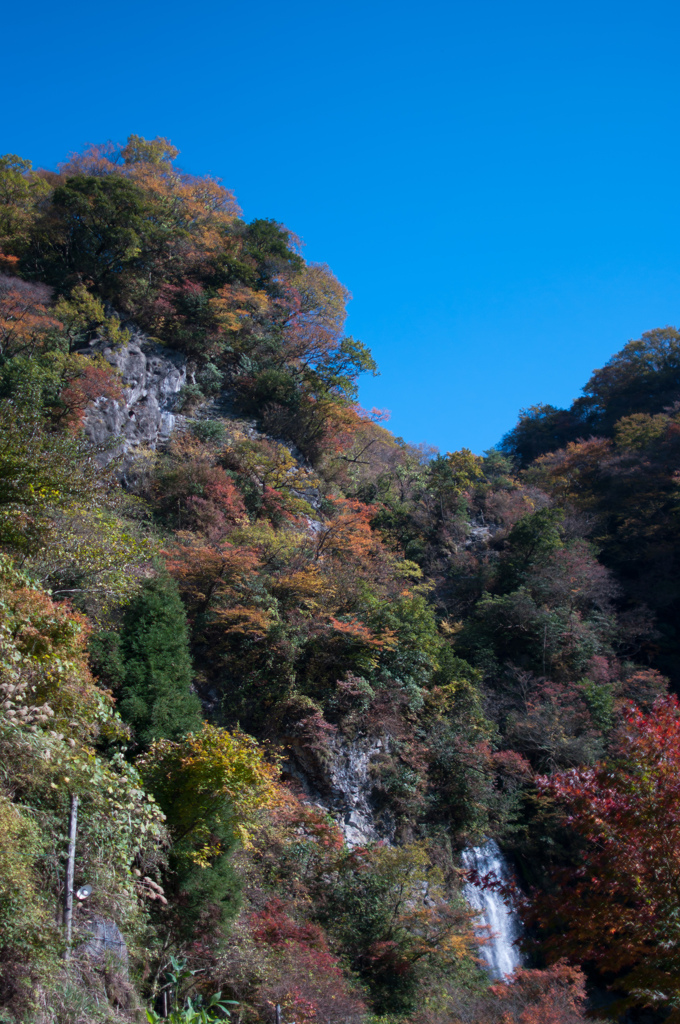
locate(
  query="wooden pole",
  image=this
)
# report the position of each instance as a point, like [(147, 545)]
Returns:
[(70, 867)]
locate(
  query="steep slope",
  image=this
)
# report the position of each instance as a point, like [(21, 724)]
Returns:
[(392, 647)]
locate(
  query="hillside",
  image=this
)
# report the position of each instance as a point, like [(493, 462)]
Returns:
[(291, 665)]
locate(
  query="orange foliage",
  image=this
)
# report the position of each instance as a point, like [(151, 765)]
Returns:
[(94, 380), (236, 307), (199, 205), (570, 471), (44, 672), (215, 577), (24, 316), (356, 630), (300, 586), (348, 534)]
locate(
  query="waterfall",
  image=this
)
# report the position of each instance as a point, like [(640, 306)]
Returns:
[(502, 957)]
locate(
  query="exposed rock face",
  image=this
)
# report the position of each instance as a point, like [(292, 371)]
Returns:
[(349, 774), (342, 784), (152, 378), (480, 533)]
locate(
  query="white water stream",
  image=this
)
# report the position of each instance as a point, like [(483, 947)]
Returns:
[(503, 927)]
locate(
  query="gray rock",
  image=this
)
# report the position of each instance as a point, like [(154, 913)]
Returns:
[(152, 377), (312, 495), (343, 786)]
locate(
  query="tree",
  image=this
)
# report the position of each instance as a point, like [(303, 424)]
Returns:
[(83, 317), (556, 995), (390, 910), (21, 192), (40, 474), (24, 316), (59, 385), (155, 696), (619, 908), (540, 428), (98, 229), (211, 786), (643, 377)]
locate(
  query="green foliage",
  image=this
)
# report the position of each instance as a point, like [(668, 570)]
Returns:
[(40, 473), (193, 1010), (209, 430), (328, 585), (600, 700), (374, 908), (83, 317), (541, 428), (60, 510), (531, 540), (20, 193), (23, 907), (210, 786), (51, 713), (216, 1009), (156, 670), (100, 229)]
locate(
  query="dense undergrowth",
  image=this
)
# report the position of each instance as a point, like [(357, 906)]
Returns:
[(288, 576)]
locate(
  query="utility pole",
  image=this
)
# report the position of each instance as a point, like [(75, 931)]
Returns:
[(70, 866)]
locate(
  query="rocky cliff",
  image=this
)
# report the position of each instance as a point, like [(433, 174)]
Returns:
[(152, 378)]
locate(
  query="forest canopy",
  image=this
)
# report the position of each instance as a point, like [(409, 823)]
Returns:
[(291, 665)]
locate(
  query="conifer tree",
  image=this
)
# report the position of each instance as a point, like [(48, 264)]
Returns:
[(156, 698)]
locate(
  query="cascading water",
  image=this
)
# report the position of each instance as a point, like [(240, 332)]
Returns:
[(503, 927)]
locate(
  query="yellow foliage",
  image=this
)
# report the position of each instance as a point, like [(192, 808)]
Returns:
[(640, 429), (83, 314), (208, 779), (236, 306)]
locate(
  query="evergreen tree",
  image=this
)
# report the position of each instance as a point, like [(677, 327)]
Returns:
[(156, 697)]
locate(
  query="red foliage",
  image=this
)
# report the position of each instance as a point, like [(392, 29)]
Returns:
[(273, 926), (276, 506), (24, 316), (310, 985), (220, 509), (93, 382), (619, 908), (553, 996), (388, 957)]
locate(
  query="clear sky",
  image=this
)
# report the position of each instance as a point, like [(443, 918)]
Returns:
[(496, 181)]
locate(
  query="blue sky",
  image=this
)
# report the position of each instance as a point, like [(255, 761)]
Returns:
[(495, 181)]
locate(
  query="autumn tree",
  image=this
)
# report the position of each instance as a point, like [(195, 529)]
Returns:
[(210, 785), (375, 908), (25, 317), (618, 910), (21, 192)]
